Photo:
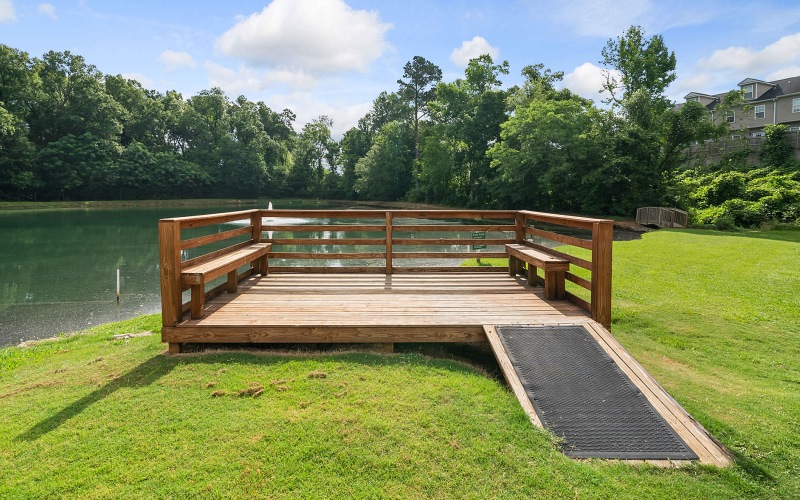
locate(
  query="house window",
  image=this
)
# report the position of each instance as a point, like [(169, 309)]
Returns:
[(796, 105), (794, 129), (748, 91), (691, 99), (736, 136), (760, 111), (730, 116), (757, 134)]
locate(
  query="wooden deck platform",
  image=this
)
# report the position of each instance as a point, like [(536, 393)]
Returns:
[(414, 307), (392, 301)]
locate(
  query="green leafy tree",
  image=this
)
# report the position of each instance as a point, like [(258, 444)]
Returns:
[(78, 167), (647, 136), (385, 172), (776, 152), (467, 114), (18, 177), (547, 146), (639, 65), (144, 117), (314, 158), (72, 100), (418, 89)]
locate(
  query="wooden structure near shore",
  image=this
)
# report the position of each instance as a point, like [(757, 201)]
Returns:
[(378, 240), (662, 217), (307, 292)]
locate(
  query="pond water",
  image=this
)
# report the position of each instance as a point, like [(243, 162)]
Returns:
[(58, 268)]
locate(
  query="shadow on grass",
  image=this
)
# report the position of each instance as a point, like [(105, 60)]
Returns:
[(143, 375), (160, 365)]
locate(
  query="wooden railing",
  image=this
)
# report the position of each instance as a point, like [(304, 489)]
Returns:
[(600, 234), (386, 234), (378, 241)]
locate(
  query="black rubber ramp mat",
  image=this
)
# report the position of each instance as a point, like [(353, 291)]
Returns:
[(581, 395)]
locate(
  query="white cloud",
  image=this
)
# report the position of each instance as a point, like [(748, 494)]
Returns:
[(785, 51), (785, 72), (724, 68), (470, 49), (587, 80), (244, 79), (146, 81), (47, 9), (7, 13), (308, 106), (316, 37), (610, 18), (173, 60)]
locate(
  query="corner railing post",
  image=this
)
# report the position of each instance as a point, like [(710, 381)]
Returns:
[(169, 250), (602, 241), (519, 224), (388, 243), (255, 226)]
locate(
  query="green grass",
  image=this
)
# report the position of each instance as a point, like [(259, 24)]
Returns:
[(89, 416)]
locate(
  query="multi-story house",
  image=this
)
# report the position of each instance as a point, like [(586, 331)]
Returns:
[(767, 103)]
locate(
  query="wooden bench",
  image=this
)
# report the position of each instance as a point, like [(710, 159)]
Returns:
[(554, 268), (197, 275)]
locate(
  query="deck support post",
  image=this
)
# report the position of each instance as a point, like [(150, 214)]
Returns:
[(388, 243), (169, 250), (519, 228), (602, 240), (388, 347), (198, 301), (174, 348), (233, 282), (255, 226)]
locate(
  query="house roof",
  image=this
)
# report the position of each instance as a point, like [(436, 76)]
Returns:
[(782, 87), (785, 86), (698, 94), (749, 81)]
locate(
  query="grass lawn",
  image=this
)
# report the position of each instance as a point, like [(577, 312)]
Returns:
[(714, 316)]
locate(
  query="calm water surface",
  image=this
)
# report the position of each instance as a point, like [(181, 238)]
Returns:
[(58, 268)]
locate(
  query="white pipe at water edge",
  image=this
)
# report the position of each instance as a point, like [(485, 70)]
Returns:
[(117, 285)]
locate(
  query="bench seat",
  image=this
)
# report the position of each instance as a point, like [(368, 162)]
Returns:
[(554, 268), (197, 275)]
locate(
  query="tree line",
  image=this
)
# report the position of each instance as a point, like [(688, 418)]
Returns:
[(67, 131)]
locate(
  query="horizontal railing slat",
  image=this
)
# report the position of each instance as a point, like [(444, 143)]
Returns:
[(582, 282), (561, 238), (213, 255), (213, 238), (452, 227), (562, 220), (207, 220), (313, 228), (326, 270), (451, 269), (446, 255), (325, 241), (316, 255), (455, 241)]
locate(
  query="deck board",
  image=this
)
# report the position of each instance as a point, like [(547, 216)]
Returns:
[(432, 300)]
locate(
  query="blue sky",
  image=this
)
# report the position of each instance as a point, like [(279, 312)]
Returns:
[(334, 57)]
